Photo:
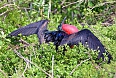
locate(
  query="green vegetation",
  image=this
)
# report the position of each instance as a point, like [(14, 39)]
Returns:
[(43, 61)]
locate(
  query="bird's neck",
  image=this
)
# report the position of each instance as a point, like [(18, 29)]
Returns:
[(54, 36)]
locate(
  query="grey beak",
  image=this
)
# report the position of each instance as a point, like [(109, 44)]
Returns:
[(60, 26)]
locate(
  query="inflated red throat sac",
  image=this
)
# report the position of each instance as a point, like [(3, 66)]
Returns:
[(69, 29)]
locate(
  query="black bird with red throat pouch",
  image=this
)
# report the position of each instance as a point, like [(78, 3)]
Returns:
[(66, 34), (88, 39)]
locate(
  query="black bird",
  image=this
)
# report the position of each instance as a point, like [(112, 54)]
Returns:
[(87, 38), (44, 35), (66, 34)]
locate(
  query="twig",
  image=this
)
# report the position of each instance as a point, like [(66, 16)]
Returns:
[(4, 12), (78, 65), (53, 66), (101, 4), (115, 75), (106, 24), (73, 3), (49, 9), (93, 63), (24, 42), (62, 2), (27, 65), (28, 61), (3, 73), (9, 5), (27, 14)]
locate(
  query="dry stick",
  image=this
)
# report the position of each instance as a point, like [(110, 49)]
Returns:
[(101, 4), (24, 42), (4, 12), (73, 3), (93, 63), (26, 60), (53, 66), (49, 9), (78, 65), (27, 14), (3, 73), (62, 2), (9, 5), (27, 65), (115, 75)]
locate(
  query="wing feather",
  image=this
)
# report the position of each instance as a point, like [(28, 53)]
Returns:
[(88, 39), (30, 29), (41, 32), (38, 28)]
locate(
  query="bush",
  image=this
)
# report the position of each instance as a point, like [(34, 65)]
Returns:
[(36, 61)]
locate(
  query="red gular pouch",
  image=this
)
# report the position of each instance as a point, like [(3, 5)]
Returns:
[(69, 29), (71, 46)]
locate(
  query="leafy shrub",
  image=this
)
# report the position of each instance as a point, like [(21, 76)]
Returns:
[(39, 59)]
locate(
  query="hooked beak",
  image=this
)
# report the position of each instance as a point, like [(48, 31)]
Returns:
[(60, 26)]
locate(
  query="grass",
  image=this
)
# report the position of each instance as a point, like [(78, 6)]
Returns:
[(37, 60)]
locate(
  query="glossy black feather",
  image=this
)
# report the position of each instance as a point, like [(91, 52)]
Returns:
[(88, 39), (34, 28), (31, 28), (55, 37)]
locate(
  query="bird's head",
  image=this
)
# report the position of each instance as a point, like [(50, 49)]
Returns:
[(67, 28)]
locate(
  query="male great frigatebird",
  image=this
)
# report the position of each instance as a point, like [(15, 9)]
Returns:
[(86, 37), (66, 34)]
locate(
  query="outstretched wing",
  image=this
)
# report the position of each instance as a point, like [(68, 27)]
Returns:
[(33, 28), (88, 39)]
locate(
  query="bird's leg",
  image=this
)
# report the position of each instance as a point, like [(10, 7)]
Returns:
[(56, 48), (64, 49)]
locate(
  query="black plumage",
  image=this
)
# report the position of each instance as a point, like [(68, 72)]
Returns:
[(89, 40), (59, 37), (34, 28), (44, 35)]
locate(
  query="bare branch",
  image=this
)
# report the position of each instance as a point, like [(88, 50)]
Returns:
[(78, 65), (27, 65), (73, 3), (53, 66), (28, 61), (7, 5), (115, 75), (4, 12), (3, 73), (24, 42), (49, 9), (93, 63), (101, 4)]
